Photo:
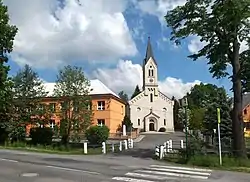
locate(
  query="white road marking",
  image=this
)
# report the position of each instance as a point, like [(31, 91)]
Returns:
[(180, 171), (8, 160), (172, 174), (181, 168), (74, 170), (146, 176), (130, 179)]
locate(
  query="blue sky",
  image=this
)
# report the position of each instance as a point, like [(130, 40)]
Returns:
[(100, 59)]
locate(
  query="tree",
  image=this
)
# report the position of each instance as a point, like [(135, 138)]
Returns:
[(123, 96), (28, 89), (203, 100), (197, 116), (222, 25), (136, 92), (97, 134), (72, 87), (178, 125), (127, 122), (7, 35)]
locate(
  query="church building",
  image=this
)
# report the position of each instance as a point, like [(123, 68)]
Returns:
[(151, 110)]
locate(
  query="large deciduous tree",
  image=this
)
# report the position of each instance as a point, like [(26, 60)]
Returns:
[(73, 88), (204, 99), (28, 90), (7, 35), (222, 25)]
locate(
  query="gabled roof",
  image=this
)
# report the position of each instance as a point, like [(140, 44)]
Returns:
[(151, 113), (96, 88)]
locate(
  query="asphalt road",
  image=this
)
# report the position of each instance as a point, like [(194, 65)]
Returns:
[(16, 166)]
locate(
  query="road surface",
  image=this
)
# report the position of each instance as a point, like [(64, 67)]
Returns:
[(16, 166)]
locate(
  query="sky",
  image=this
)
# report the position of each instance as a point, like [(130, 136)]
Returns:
[(108, 39)]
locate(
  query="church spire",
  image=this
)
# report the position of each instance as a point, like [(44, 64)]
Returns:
[(149, 53)]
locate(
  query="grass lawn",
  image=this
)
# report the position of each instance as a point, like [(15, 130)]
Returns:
[(212, 162), (51, 149)]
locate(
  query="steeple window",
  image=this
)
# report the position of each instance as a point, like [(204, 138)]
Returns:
[(150, 72)]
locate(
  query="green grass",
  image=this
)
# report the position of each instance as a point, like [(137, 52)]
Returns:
[(50, 149), (212, 162)]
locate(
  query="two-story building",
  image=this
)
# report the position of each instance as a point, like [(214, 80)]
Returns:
[(108, 109), (246, 113)]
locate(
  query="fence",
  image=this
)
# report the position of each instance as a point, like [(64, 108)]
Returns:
[(167, 148), (125, 144), (119, 135)]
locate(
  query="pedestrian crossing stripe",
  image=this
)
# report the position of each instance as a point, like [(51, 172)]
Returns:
[(130, 179), (159, 172), (182, 168)]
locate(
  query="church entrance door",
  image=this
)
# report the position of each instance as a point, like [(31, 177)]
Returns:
[(151, 126)]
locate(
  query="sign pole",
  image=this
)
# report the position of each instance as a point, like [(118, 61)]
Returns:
[(218, 114)]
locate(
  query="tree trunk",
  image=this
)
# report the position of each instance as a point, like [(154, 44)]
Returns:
[(238, 133)]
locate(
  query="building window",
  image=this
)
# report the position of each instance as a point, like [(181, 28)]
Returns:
[(139, 122), (101, 105), (151, 97), (52, 123), (245, 111), (247, 125), (138, 109), (40, 107), (150, 72), (52, 107), (100, 122), (165, 122), (122, 109), (76, 106)]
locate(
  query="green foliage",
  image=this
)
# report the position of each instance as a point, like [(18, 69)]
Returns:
[(136, 92), (196, 119), (3, 135), (28, 89), (178, 124), (7, 35), (42, 136), (76, 112), (123, 96), (221, 25), (97, 134), (127, 122)]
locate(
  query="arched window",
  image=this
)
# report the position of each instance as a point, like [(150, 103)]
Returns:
[(150, 72)]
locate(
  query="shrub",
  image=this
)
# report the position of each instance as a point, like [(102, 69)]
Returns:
[(162, 129), (3, 135), (41, 136), (97, 134)]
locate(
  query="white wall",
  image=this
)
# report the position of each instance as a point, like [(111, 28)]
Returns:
[(143, 102)]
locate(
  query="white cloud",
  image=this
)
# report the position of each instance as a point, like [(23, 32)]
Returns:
[(158, 8), (195, 45), (126, 75), (51, 33)]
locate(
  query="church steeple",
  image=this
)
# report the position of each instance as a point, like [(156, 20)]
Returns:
[(149, 68), (149, 52)]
